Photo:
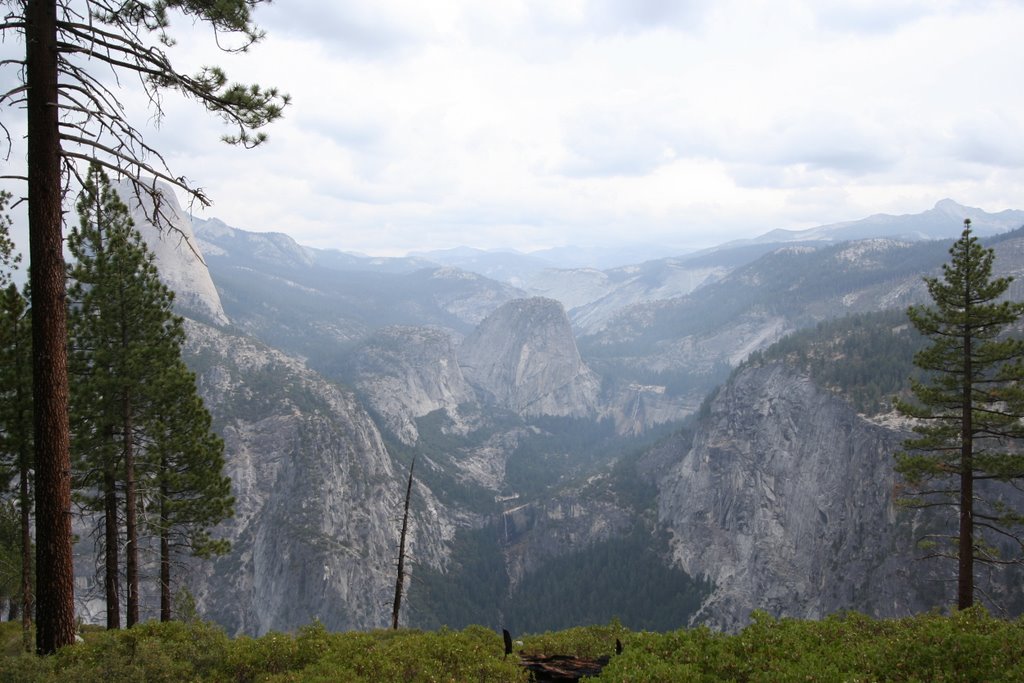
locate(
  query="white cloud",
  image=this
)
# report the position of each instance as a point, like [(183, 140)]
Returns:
[(522, 123)]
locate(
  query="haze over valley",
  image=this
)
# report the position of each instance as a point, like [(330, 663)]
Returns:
[(674, 441)]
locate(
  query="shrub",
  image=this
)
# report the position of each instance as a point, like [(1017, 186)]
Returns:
[(968, 646)]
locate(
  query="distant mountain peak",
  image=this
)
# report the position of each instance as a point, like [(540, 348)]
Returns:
[(943, 221), (950, 205)]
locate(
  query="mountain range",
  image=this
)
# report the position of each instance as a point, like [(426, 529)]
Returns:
[(589, 442)]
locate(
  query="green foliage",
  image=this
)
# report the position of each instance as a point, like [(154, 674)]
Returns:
[(9, 257), (194, 495), (136, 414), (11, 640), (967, 411), (627, 577), (15, 385), (579, 641), (967, 646), (123, 334), (472, 591), (473, 654), (175, 651), (15, 361), (558, 450), (16, 429), (152, 651), (866, 358), (10, 552)]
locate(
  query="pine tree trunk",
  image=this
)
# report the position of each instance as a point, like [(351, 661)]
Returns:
[(26, 547), (165, 550), (110, 539), (55, 610), (24, 421), (965, 575), (131, 550)]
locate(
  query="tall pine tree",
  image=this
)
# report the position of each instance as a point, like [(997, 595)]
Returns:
[(16, 410), (192, 494), (135, 413), (967, 411), (71, 114)]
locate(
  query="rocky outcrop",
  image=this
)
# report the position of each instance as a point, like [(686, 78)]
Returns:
[(785, 503), (317, 495), (636, 407), (176, 249), (524, 356), (640, 284), (408, 372), (271, 248), (466, 296)]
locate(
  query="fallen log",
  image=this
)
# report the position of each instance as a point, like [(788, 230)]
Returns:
[(559, 668)]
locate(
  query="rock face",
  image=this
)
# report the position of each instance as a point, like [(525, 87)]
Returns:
[(317, 495), (408, 372), (635, 407), (524, 356), (665, 279), (783, 499), (785, 502), (219, 239), (177, 252)]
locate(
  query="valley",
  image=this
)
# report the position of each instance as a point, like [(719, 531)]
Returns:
[(674, 442)]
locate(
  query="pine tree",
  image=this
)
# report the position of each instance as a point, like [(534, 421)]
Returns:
[(140, 430), (16, 409), (110, 333), (193, 495), (967, 410), (71, 115)]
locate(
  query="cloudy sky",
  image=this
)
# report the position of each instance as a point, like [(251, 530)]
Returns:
[(528, 124)]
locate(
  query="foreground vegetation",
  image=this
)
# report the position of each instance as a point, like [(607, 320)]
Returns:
[(967, 646)]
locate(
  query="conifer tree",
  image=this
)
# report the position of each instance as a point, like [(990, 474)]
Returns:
[(138, 422), (16, 430), (967, 411), (72, 115), (16, 409), (192, 494)]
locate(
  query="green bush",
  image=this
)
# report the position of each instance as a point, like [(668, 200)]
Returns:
[(473, 654), (152, 651), (581, 641), (968, 646)]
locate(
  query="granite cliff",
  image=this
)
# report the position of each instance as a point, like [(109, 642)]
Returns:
[(524, 357), (782, 500), (317, 495), (785, 502), (176, 250), (406, 373)]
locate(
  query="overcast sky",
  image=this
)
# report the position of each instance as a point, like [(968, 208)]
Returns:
[(521, 124)]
